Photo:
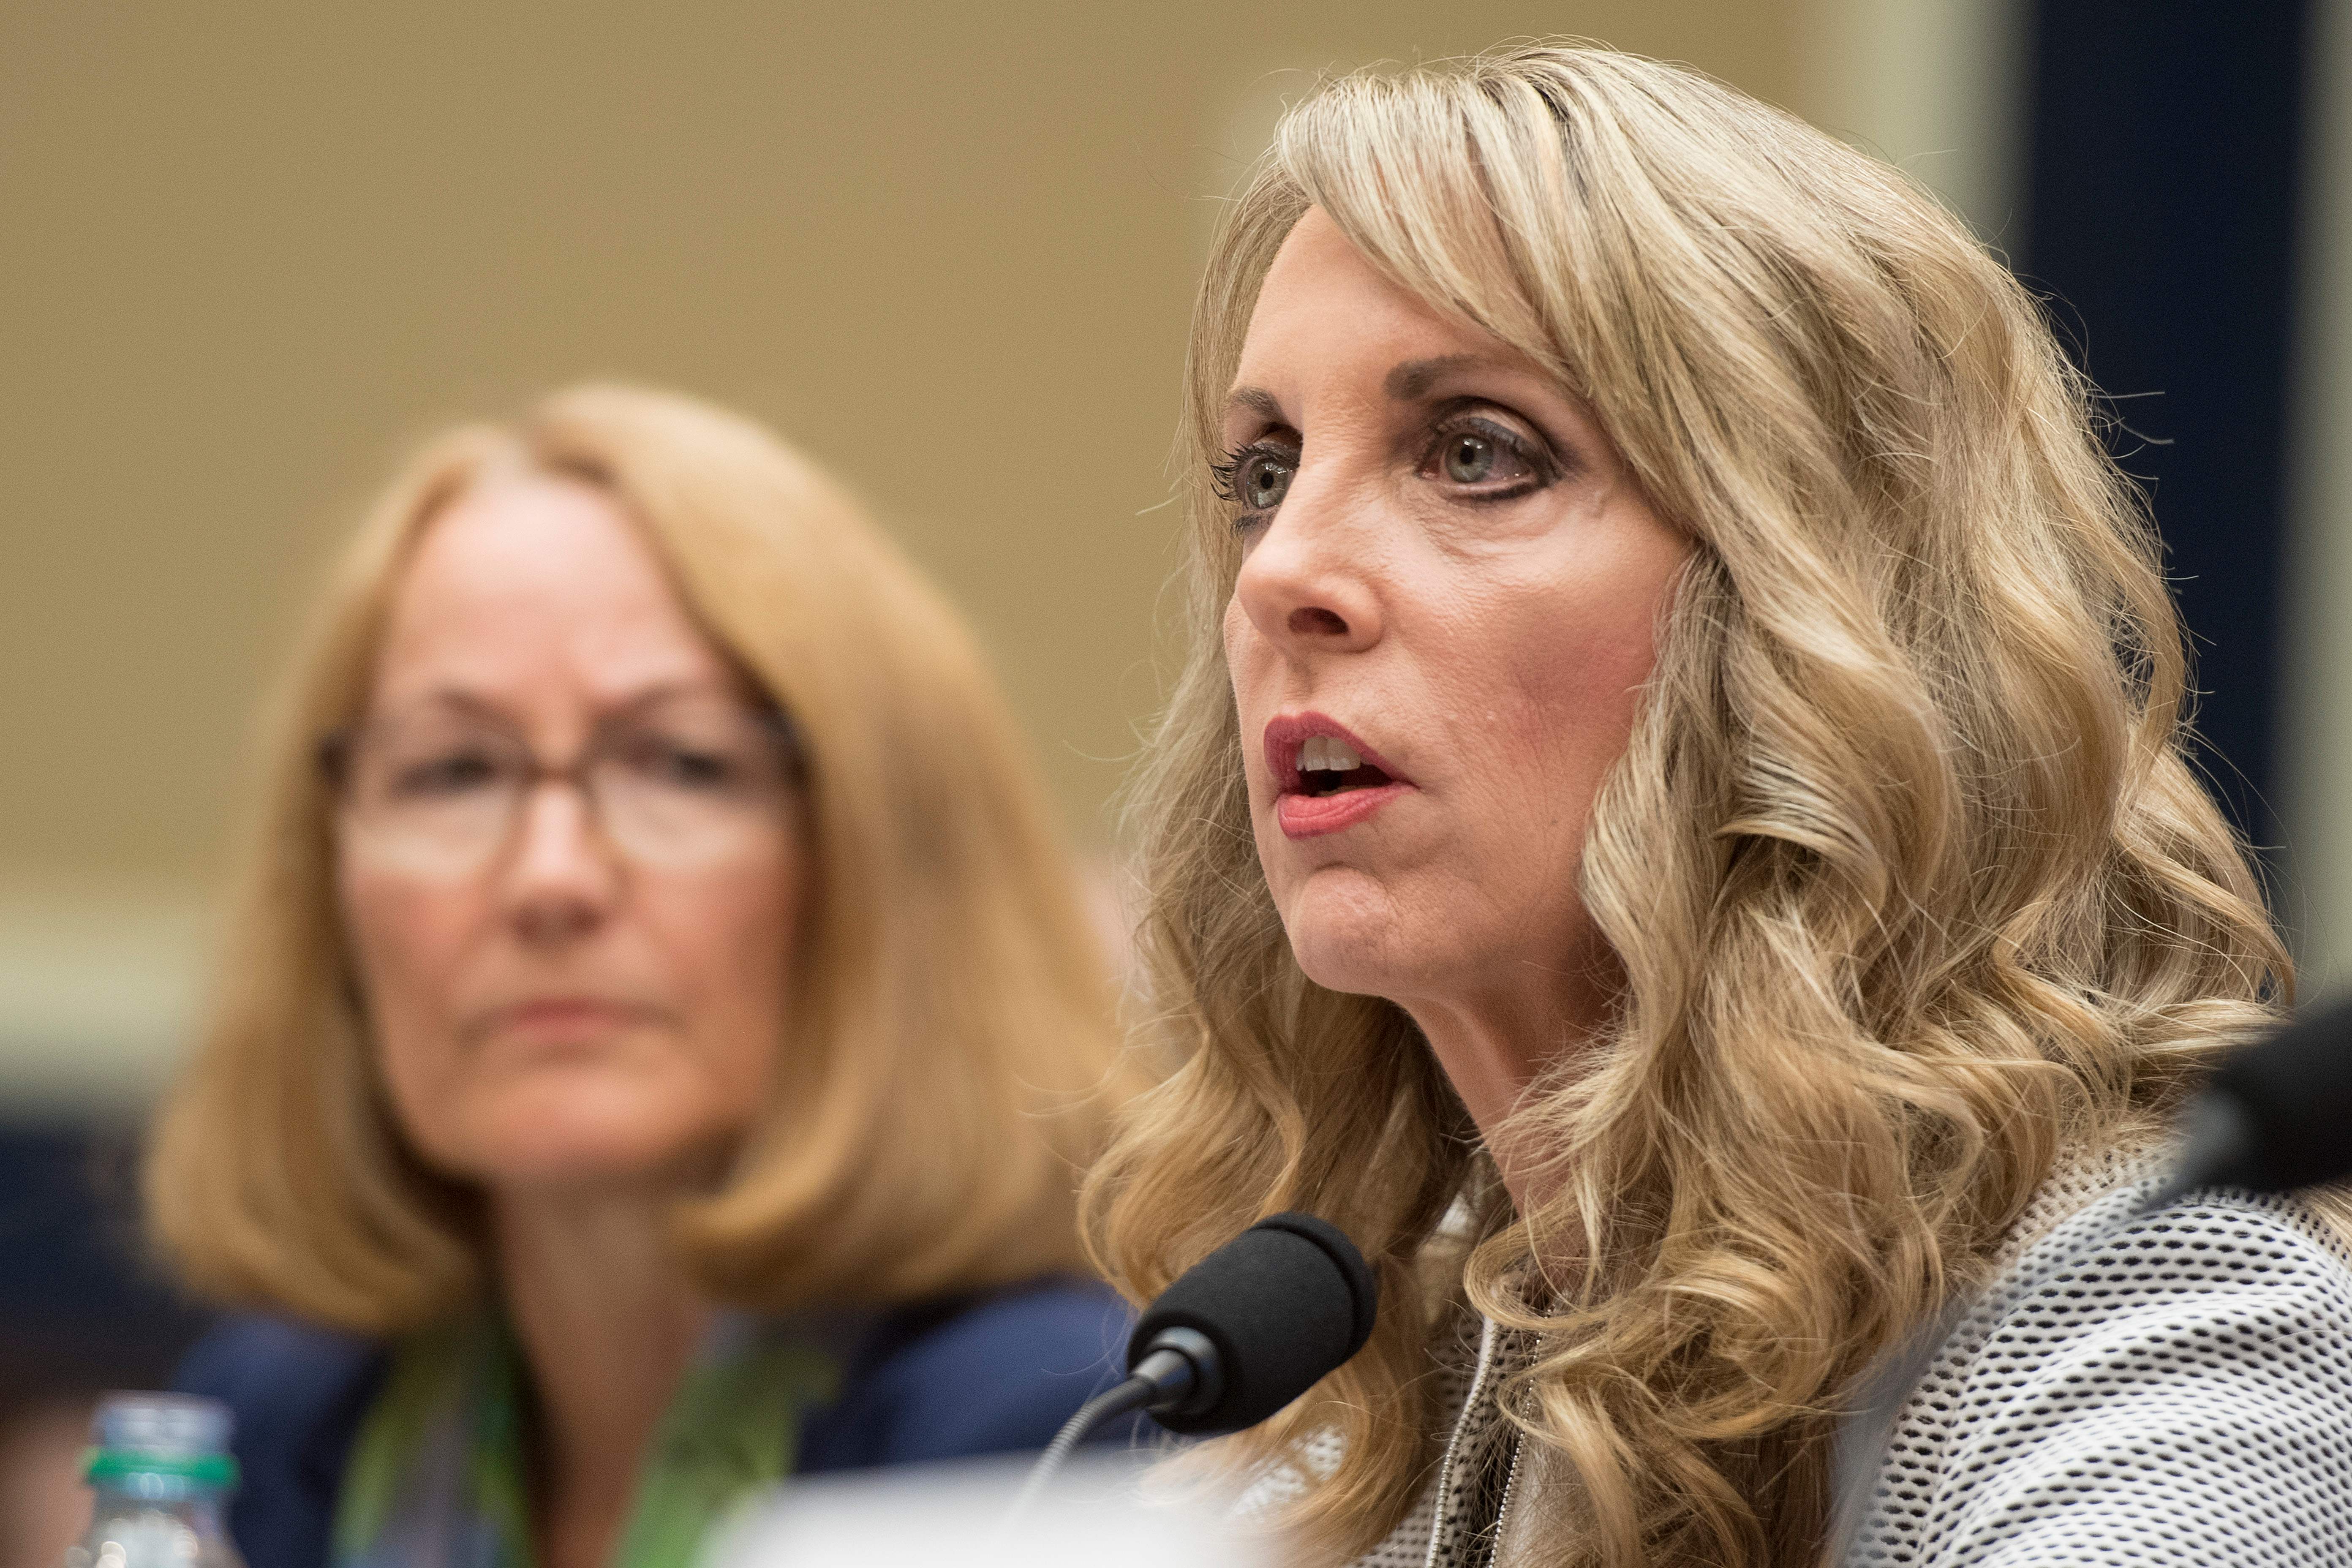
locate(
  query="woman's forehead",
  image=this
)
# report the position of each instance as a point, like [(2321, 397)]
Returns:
[(1326, 311), (537, 585)]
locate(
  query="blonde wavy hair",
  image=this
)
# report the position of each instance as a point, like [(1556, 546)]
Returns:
[(952, 1058), (1911, 884)]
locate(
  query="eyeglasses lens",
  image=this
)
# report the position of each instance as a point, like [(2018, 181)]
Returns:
[(693, 785)]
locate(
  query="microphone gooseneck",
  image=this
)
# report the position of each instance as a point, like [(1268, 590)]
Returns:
[(1239, 1335)]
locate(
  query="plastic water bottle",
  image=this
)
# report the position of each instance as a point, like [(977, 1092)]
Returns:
[(160, 1466)]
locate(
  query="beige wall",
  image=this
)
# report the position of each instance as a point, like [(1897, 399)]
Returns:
[(2316, 899), (1936, 86), (249, 251)]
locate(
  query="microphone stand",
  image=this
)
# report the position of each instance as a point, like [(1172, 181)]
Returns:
[(1236, 1337), (1179, 1364)]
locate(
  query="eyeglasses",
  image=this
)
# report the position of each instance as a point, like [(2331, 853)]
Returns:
[(688, 783)]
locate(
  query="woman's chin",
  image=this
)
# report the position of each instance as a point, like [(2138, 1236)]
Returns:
[(580, 1147), (1347, 951), (581, 1167)]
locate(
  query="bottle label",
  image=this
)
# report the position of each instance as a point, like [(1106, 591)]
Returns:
[(210, 1470)]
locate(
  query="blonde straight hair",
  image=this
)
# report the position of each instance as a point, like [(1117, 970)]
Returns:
[(1912, 886), (950, 1057)]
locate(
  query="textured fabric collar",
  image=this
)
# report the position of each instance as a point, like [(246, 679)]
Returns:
[(2187, 1382)]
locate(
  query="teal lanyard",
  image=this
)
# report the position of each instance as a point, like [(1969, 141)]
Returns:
[(440, 1468)]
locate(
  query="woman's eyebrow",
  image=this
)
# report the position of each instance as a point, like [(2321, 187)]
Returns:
[(465, 700), (661, 691), (1411, 379), (1258, 401)]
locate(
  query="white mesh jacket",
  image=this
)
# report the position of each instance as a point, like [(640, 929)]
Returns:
[(2182, 1393)]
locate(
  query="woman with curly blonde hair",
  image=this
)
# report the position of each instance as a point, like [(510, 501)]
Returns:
[(1680, 769)]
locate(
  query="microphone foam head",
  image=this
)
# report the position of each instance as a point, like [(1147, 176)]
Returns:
[(2295, 1091), (1285, 1302)]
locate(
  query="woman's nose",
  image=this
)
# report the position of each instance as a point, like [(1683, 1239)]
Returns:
[(1305, 586), (561, 877)]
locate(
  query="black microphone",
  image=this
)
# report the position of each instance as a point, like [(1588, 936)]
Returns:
[(1239, 1335), (2276, 1116), (1258, 1322)]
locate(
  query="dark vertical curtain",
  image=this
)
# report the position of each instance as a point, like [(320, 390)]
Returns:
[(79, 1307), (2165, 147)]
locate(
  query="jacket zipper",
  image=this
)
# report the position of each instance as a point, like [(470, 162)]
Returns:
[(1486, 1336), (1510, 1485)]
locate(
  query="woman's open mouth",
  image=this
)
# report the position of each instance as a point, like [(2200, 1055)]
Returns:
[(1328, 765), (1327, 778)]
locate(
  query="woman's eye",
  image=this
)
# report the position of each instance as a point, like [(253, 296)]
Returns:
[(1264, 481), (453, 773), (1484, 456), (684, 766), (1470, 460), (1256, 477)]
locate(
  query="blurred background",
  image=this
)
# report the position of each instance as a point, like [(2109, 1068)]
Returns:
[(248, 252)]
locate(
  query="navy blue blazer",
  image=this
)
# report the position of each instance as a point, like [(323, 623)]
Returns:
[(943, 1380)]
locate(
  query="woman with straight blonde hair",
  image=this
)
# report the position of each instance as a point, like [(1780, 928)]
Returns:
[(1674, 834), (658, 1036)]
